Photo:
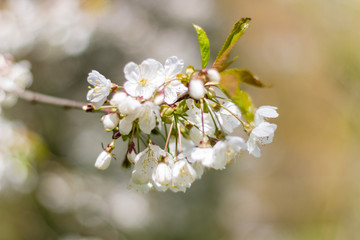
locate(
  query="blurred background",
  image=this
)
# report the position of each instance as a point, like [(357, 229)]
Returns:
[(305, 186)]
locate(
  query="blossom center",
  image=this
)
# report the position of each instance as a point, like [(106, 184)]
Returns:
[(143, 82)]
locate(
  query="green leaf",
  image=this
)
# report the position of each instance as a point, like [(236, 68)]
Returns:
[(244, 103), (238, 30), (204, 45), (240, 76)]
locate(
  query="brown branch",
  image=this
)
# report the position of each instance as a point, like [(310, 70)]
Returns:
[(50, 100)]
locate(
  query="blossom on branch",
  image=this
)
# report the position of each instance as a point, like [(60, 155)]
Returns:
[(101, 90), (177, 124)]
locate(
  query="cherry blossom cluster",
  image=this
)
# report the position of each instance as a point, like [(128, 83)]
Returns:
[(14, 77), (176, 123)]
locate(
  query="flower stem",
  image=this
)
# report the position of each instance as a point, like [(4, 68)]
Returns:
[(169, 134)]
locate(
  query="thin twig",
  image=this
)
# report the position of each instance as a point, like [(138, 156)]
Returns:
[(35, 97)]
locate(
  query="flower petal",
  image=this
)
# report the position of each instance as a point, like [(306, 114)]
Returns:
[(173, 66), (132, 72)]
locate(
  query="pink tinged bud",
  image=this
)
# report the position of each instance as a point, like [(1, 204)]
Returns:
[(103, 160), (196, 89), (110, 121), (213, 75)]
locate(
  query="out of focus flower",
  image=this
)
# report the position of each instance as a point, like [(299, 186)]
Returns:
[(14, 78), (17, 150)]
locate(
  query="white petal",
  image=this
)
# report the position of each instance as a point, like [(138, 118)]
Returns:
[(147, 117), (125, 124), (253, 147), (265, 129), (95, 78), (162, 174), (173, 66), (130, 87), (132, 72), (170, 95), (118, 98), (265, 112), (152, 71)]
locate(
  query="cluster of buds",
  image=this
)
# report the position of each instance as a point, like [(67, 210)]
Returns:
[(175, 124)]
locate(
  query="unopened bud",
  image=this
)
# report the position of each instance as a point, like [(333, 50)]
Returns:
[(116, 134), (210, 93), (166, 111), (213, 75), (88, 107), (131, 154), (110, 121), (103, 160), (196, 89)]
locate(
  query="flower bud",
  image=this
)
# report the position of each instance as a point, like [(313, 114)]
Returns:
[(210, 93), (196, 89), (103, 160), (110, 121), (213, 75), (88, 108)]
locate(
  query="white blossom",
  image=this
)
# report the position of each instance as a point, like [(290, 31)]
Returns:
[(101, 90), (145, 164), (196, 89), (126, 104), (143, 79), (14, 78), (183, 175), (203, 155), (103, 160), (264, 112), (162, 177), (173, 88), (148, 114), (226, 151)]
